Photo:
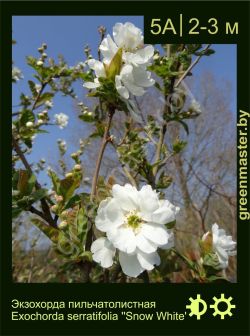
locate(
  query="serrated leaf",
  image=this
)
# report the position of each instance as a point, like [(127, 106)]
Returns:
[(49, 231), (32, 86), (68, 186)]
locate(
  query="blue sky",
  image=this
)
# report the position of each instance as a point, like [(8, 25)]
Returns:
[(67, 35)]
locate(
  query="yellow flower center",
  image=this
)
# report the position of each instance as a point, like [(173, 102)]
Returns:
[(134, 221)]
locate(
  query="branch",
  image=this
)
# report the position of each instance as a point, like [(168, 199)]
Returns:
[(191, 67), (105, 141), (46, 210), (207, 184)]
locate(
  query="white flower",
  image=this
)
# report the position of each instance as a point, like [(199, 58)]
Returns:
[(134, 225), (127, 35), (195, 105), (48, 103), (133, 77), (134, 80), (223, 245), (38, 87), (61, 120), (16, 74)]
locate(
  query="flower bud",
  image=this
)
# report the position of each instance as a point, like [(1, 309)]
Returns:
[(74, 155), (15, 192), (64, 213), (29, 124), (54, 208), (39, 122), (59, 198), (39, 63), (68, 175), (62, 225), (77, 167)]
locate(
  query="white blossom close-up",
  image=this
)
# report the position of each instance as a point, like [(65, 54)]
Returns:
[(16, 74), (134, 223), (222, 245), (61, 120), (133, 77)]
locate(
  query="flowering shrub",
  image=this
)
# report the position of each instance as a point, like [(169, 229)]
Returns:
[(116, 230)]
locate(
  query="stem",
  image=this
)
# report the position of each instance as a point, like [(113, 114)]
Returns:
[(106, 138), (159, 147), (105, 141), (144, 276), (46, 211), (191, 66)]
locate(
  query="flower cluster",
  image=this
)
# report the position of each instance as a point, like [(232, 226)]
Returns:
[(133, 76), (222, 245), (134, 223), (61, 120)]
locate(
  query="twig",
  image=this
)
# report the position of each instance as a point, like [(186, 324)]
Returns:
[(191, 67), (159, 147), (46, 211), (105, 141), (86, 266)]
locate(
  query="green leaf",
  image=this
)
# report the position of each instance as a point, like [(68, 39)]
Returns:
[(81, 225), (73, 201), (68, 186), (22, 184), (55, 180), (86, 255), (26, 115), (115, 65), (170, 225), (16, 211), (185, 126), (44, 97), (211, 262), (178, 146), (49, 231), (217, 279), (32, 86), (39, 194)]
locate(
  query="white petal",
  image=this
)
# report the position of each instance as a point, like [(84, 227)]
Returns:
[(109, 215), (122, 90), (156, 233), (170, 243), (91, 85), (123, 239), (148, 261), (144, 244), (148, 199), (142, 77), (108, 49), (166, 213), (103, 252), (130, 264), (127, 196)]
